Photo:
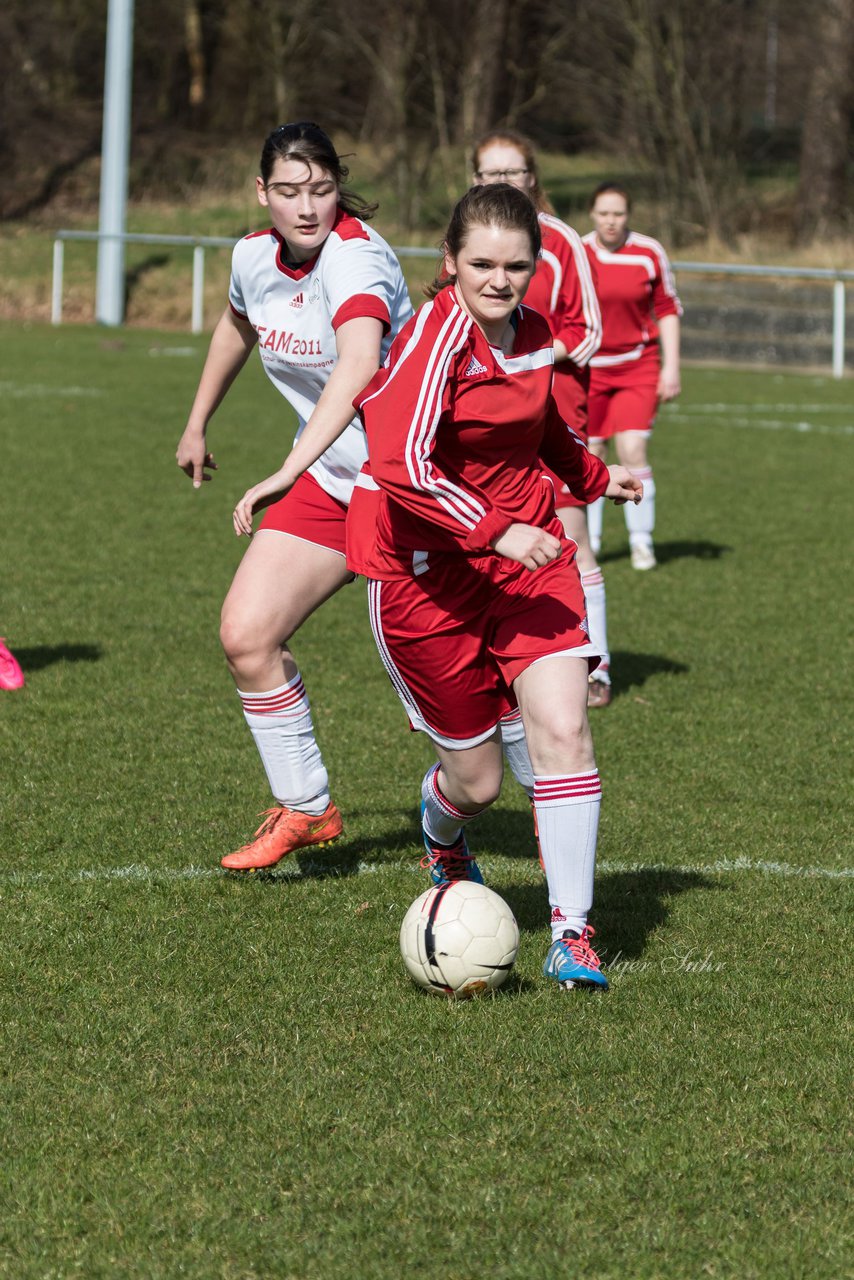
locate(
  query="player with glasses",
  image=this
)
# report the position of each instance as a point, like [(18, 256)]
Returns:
[(501, 175)]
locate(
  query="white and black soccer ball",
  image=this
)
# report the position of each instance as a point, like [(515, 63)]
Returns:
[(459, 939)]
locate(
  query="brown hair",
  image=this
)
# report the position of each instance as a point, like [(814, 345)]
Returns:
[(523, 144), (306, 142), (605, 187), (491, 205)]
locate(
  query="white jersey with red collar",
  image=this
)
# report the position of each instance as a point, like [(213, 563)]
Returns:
[(456, 430), (296, 310), (635, 285)]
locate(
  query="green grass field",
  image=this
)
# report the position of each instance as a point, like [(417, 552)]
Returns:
[(234, 1079)]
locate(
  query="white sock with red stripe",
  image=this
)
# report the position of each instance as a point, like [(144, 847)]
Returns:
[(640, 519), (515, 746), (280, 722), (594, 593), (441, 820), (567, 810), (594, 523)]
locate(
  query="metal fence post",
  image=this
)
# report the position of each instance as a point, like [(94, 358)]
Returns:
[(198, 321), (838, 328), (56, 289)]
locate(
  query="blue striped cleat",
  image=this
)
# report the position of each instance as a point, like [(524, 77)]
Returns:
[(572, 962), (449, 862)]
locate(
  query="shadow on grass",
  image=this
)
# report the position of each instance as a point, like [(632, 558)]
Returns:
[(344, 858), (665, 552), (45, 655), (628, 907), (630, 670)]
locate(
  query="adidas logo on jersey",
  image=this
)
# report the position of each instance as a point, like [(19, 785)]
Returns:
[(474, 367), (297, 301)]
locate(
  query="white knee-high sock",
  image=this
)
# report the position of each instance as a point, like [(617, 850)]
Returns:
[(280, 722), (640, 519), (516, 750), (567, 810), (593, 584), (594, 523), (442, 821)]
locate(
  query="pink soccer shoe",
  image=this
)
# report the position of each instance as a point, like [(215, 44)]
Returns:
[(11, 675)]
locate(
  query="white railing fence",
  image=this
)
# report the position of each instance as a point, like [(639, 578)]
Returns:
[(198, 244)]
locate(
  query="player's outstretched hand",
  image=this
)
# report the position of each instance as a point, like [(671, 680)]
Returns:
[(258, 497), (528, 545), (669, 386), (193, 458), (623, 486)]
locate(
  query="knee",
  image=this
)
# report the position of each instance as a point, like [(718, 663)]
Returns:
[(242, 643), (477, 791), (632, 453), (485, 791), (563, 745)]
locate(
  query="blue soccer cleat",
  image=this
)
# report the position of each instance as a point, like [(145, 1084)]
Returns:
[(572, 962), (449, 862)]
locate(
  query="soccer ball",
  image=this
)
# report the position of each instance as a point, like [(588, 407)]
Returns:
[(459, 939)]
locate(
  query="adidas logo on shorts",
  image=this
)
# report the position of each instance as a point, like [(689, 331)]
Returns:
[(474, 367)]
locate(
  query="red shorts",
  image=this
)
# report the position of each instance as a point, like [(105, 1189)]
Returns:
[(454, 638), (624, 397), (307, 511)]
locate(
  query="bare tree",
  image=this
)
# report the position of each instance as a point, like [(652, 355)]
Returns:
[(826, 138)]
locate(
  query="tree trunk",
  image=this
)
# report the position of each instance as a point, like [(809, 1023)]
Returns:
[(821, 204)]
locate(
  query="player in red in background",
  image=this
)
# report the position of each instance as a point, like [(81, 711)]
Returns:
[(321, 295), (563, 290), (475, 598), (629, 379)]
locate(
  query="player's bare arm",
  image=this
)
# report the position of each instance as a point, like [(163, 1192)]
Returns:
[(669, 384), (358, 345), (230, 348)]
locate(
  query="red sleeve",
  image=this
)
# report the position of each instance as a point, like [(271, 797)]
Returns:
[(665, 300), (576, 320), (561, 449), (402, 409), (362, 304)]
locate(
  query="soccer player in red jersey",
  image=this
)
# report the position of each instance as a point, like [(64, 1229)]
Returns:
[(563, 290), (629, 378), (321, 296), (475, 599)]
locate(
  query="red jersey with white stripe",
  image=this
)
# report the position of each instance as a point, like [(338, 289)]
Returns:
[(455, 432), (635, 285), (564, 291), (296, 310)]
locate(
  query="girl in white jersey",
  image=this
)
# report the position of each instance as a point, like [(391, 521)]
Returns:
[(322, 296)]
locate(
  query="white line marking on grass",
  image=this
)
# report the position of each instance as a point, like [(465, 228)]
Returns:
[(770, 424), (136, 872), (22, 390), (721, 407)]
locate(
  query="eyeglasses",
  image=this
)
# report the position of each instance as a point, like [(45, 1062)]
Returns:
[(495, 175)]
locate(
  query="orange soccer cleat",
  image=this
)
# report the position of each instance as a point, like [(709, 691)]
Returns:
[(283, 831)]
